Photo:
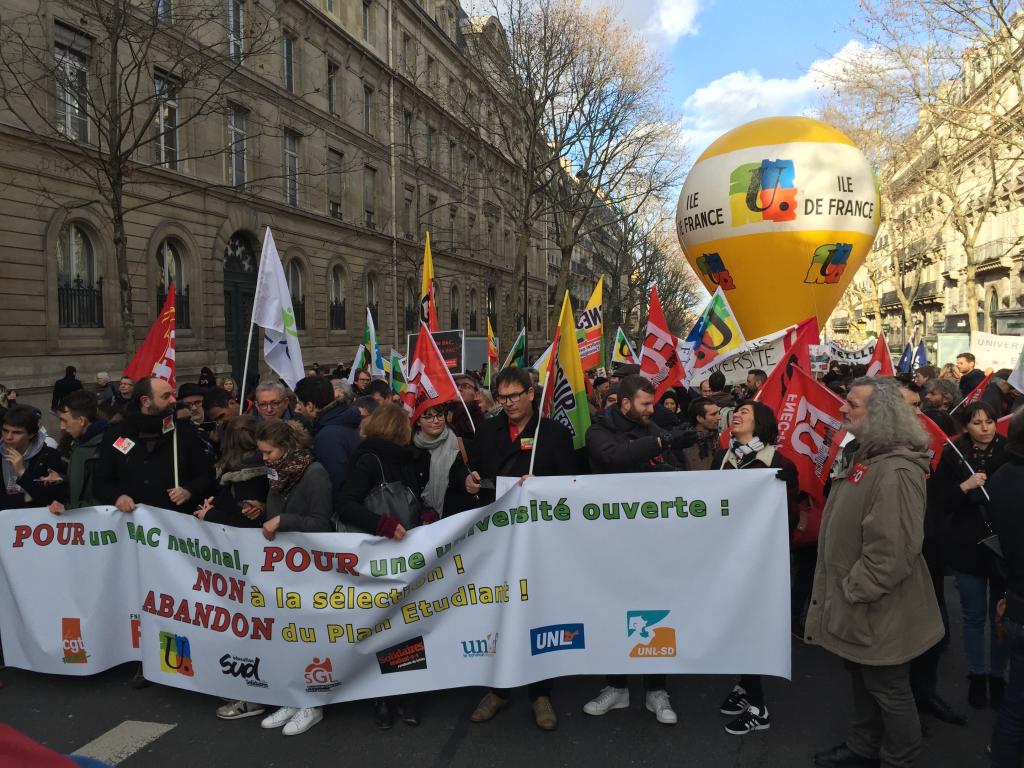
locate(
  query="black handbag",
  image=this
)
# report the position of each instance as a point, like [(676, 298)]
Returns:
[(394, 499)]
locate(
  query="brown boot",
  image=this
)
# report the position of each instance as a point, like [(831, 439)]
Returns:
[(488, 707), (544, 714)]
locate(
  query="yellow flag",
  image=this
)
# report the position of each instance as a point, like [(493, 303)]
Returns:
[(428, 308)]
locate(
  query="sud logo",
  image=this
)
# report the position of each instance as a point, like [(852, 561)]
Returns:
[(175, 654), (486, 646), (557, 637), (319, 676), (651, 641), (74, 644), (247, 668)]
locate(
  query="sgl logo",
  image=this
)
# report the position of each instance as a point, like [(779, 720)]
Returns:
[(486, 646), (319, 676), (828, 263), (557, 637), (764, 191), (248, 669), (175, 654), (74, 645), (651, 641)]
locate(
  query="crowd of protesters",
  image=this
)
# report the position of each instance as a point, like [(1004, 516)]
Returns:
[(868, 570)]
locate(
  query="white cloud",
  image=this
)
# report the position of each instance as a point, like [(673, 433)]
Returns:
[(739, 97), (663, 22)]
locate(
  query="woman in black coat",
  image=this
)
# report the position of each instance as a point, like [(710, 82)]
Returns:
[(242, 483), (959, 484)]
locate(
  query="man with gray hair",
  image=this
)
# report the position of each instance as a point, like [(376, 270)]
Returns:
[(272, 401), (873, 604), (940, 394), (105, 392)]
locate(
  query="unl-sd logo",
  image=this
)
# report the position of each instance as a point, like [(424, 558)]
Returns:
[(74, 645), (319, 676), (557, 637), (651, 641)]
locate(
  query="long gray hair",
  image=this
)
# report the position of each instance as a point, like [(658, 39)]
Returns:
[(891, 421)]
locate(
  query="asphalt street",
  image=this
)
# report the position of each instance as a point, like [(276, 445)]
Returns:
[(808, 714)]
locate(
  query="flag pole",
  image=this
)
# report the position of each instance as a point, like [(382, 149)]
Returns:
[(967, 464), (248, 343), (174, 451), (540, 408)]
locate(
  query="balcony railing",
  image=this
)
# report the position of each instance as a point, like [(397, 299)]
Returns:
[(299, 308), (80, 305), (182, 318), (338, 315)]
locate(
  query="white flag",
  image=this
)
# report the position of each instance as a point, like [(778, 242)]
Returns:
[(272, 311), (373, 348), (1016, 379)]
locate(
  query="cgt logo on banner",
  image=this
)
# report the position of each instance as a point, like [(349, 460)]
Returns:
[(319, 676), (660, 641), (557, 637), (245, 667), (175, 654), (475, 649), (74, 645), (403, 657)]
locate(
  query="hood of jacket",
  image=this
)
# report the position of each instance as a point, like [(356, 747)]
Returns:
[(337, 415), (869, 456)]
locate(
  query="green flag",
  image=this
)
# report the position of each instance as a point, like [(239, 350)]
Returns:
[(517, 355)]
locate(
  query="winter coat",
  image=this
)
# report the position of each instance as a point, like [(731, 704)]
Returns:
[(35, 494), (306, 506), (364, 475), (618, 444), (234, 486), (964, 511), (82, 467), (335, 438), (142, 467), (62, 388), (494, 454), (970, 380), (1006, 489), (873, 601), (106, 394)]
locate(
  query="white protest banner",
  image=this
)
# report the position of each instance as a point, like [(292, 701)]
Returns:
[(995, 352), (562, 576), (763, 354), (860, 356)]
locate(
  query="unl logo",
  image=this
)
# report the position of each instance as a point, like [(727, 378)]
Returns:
[(319, 676), (175, 654), (557, 637), (713, 268), (653, 641), (74, 645), (764, 191), (828, 263)]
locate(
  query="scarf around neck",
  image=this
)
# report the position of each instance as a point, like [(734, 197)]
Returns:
[(288, 470), (34, 447), (741, 451), (443, 450)]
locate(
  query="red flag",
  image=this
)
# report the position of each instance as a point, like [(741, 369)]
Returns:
[(880, 363), (797, 355), (810, 431), (936, 439), (659, 359), (428, 381), (975, 394), (156, 355), (1003, 425)]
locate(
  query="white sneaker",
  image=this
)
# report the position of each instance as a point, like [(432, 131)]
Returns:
[(302, 721), (279, 718), (608, 699), (658, 703)]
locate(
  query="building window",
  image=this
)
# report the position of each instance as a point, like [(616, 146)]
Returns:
[(453, 214), (412, 306), (288, 54), (169, 261), (79, 288), (490, 310), (166, 91), (371, 296), (72, 75), (408, 54), (455, 302), (294, 277), (473, 301), (470, 230), (164, 10), (332, 87), (451, 159), (431, 71), (335, 162), (431, 142), (431, 206), (408, 211), (366, 19), (368, 109), (407, 121), (236, 146), (291, 168), (369, 195), (235, 25), (329, 6), (337, 296)]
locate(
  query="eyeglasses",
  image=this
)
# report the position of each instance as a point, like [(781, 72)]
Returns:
[(267, 404), (467, 385), (510, 397), (432, 417), (194, 405)]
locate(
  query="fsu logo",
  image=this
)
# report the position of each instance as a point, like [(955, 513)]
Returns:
[(828, 263), (713, 268), (764, 191)]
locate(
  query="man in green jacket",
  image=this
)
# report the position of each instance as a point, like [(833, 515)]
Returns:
[(79, 422), (873, 604)]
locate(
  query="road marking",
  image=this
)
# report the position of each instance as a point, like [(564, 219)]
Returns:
[(123, 741)]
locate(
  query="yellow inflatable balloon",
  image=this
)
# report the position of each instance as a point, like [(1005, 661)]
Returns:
[(780, 213)]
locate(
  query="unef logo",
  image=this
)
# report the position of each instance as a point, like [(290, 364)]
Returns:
[(319, 676), (74, 645), (474, 649), (713, 268), (828, 263), (175, 654), (652, 641), (764, 191)]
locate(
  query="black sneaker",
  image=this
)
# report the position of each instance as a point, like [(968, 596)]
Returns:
[(753, 719), (735, 703)]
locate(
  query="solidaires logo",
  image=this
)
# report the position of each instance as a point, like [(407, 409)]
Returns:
[(651, 641), (557, 637)]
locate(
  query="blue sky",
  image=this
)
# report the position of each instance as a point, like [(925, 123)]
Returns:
[(732, 61)]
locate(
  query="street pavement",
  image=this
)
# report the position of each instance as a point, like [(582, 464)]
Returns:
[(171, 727)]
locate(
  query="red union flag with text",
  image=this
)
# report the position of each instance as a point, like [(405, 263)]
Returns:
[(936, 439), (975, 394), (156, 355), (659, 359), (810, 431), (797, 355), (428, 382), (880, 363)]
